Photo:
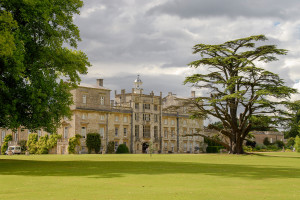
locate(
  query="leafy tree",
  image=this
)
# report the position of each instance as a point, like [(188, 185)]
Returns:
[(35, 62), (42, 145), (23, 145), (297, 144), (4, 146), (52, 141), (32, 143), (238, 89), (293, 124), (266, 141), (73, 143)]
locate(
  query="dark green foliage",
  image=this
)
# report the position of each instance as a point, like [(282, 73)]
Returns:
[(32, 143), (4, 146), (93, 142), (293, 124), (122, 148), (73, 143), (238, 89), (250, 143), (110, 147), (35, 62), (279, 143), (214, 149), (266, 141), (23, 145), (290, 142)]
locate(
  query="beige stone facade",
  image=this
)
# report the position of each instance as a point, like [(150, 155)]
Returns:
[(141, 121)]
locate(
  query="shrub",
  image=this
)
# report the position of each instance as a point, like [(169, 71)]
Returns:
[(23, 146), (73, 143), (32, 143), (213, 149), (250, 143), (110, 147), (247, 148), (290, 142), (297, 144), (93, 141), (4, 147), (279, 143), (52, 141), (122, 148), (41, 145), (266, 141)]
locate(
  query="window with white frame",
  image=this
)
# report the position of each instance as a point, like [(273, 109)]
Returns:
[(137, 130), (116, 131), (66, 132), (84, 98), (166, 145), (102, 117), (166, 121), (137, 105), (83, 116), (166, 133), (147, 106), (116, 118), (83, 131), (172, 132), (136, 116), (146, 131), (146, 117), (39, 133), (102, 100), (116, 145), (125, 132), (155, 107), (155, 132), (125, 119), (16, 136), (101, 131), (155, 118), (184, 146), (172, 122), (172, 146), (3, 135), (184, 131), (184, 122)]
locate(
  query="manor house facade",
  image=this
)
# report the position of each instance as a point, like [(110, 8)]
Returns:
[(132, 118)]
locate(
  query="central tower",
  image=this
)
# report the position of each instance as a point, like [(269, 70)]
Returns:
[(138, 85)]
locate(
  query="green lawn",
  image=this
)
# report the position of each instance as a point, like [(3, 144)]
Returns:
[(262, 176)]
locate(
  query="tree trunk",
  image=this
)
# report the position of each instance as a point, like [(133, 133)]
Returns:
[(238, 147)]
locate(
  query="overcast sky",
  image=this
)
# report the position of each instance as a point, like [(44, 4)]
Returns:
[(123, 38)]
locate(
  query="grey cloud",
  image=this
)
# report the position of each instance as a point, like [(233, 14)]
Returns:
[(230, 8)]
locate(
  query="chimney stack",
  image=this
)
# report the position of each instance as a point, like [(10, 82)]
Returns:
[(100, 82)]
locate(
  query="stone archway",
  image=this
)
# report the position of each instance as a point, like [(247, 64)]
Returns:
[(145, 147)]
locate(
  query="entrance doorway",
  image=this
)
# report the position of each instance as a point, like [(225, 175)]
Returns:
[(145, 147)]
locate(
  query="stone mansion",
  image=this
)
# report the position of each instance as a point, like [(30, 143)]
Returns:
[(132, 118)]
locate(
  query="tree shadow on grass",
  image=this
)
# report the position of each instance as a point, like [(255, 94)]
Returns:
[(111, 169)]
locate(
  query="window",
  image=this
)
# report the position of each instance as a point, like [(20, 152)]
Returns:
[(155, 107), (146, 131), (116, 118), (136, 130), (102, 117), (155, 132), (138, 147), (155, 118), (83, 116), (101, 131), (83, 132), (172, 122), (125, 119), (16, 136), (271, 140), (172, 146), (184, 146), (39, 133), (125, 132), (184, 131), (166, 133), (66, 132), (191, 131), (101, 100), (147, 106), (83, 98), (146, 117), (166, 121), (116, 131), (184, 122), (116, 146), (166, 145), (3, 135), (136, 117), (137, 105), (172, 132)]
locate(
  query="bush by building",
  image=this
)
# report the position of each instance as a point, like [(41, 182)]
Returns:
[(110, 147), (4, 146), (122, 148), (93, 142)]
